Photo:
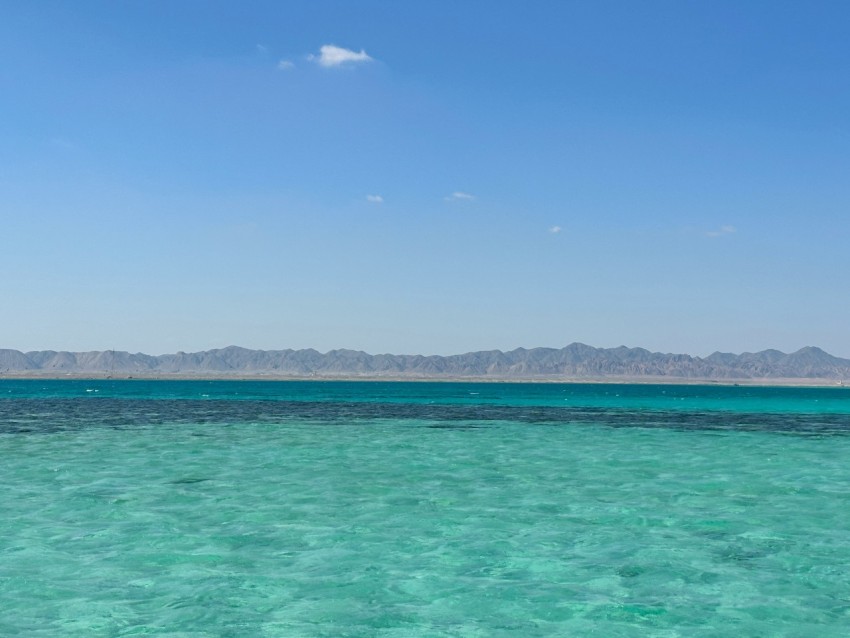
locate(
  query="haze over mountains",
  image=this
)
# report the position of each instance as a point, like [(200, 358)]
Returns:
[(575, 361)]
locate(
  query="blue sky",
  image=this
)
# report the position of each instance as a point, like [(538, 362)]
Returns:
[(440, 177)]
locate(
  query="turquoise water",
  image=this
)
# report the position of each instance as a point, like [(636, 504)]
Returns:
[(133, 508)]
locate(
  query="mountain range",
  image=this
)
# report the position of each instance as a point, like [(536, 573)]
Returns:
[(575, 361)]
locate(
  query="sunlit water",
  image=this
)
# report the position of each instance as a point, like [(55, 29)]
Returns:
[(140, 508)]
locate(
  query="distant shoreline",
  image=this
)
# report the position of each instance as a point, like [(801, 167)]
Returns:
[(575, 363), (612, 380)]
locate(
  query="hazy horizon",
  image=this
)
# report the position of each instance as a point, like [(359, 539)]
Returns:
[(427, 354)]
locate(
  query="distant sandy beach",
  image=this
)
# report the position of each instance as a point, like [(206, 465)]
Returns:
[(649, 380)]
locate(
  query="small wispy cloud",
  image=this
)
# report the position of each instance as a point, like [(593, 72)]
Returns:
[(459, 196), (723, 230), (331, 55), (285, 65), (555, 230), (375, 199), (262, 49)]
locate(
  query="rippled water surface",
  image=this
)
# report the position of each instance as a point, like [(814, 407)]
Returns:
[(133, 508)]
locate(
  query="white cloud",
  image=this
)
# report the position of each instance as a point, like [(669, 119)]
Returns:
[(723, 230), (375, 199), (285, 65), (460, 196), (262, 49), (555, 230), (332, 55)]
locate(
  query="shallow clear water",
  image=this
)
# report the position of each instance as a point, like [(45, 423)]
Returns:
[(376, 509)]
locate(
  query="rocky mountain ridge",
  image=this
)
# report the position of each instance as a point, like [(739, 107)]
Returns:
[(575, 361)]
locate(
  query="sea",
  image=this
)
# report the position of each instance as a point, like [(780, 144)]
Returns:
[(408, 509)]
